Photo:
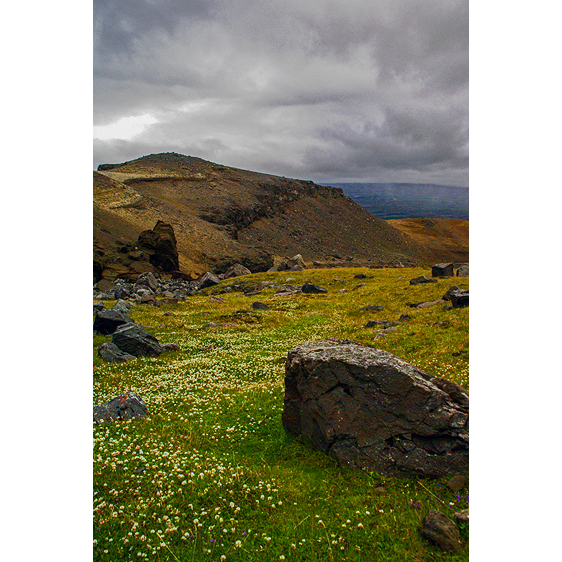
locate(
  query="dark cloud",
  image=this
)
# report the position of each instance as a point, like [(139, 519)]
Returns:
[(371, 90)]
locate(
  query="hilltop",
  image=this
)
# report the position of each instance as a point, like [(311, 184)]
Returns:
[(223, 215)]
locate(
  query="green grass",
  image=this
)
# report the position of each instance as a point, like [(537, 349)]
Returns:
[(211, 473)]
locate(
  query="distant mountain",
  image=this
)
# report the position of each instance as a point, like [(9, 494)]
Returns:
[(224, 215), (408, 200)]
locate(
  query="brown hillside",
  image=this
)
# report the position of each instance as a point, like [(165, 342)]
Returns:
[(224, 215), (443, 240)]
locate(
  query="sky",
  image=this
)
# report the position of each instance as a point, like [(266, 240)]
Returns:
[(323, 90)]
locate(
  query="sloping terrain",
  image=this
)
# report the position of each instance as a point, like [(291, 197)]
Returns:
[(224, 215), (442, 240)]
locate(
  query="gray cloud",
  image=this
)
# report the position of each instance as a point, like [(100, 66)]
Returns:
[(363, 90)]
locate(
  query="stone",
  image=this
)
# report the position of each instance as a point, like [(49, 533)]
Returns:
[(442, 270), (109, 352), (380, 324), (441, 530), (376, 307), (360, 276), (127, 406), (259, 306), (429, 304), (217, 299), (450, 290), (310, 288), (134, 339), (287, 290), (422, 279), (170, 346), (122, 306), (457, 483), (459, 298), (237, 270), (105, 285), (161, 246), (461, 517), (462, 271), (209, 279), (295, 261), (107, 321), (99, 306), (371, 410), (404, 317), (147, 279)]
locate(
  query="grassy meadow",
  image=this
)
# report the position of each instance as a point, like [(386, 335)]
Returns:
[(211, 475)]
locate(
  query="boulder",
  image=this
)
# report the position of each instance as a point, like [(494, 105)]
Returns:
[(109, 352), (369, 409), (135, 340), (309, 288), (462, 271), (160, 244), (459, 298), (147, 279), (441, 530), (208, 280), (259, 306), (461, 516), (237, 270), (122, 306), (127, 406), (99, 306), (287, 290), (442, 270), (375, 307), (107, 321), (422, 279), (296, 263)]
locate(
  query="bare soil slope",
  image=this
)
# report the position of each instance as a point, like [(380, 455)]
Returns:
[(224, 215), (443, 240)]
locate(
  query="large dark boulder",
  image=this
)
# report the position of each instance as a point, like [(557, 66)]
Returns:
[(127, 406), (208, 280), (135, 340), (310, 288), (107, 321), (372, 410), (160, 244), (459, 298), (442, 270)]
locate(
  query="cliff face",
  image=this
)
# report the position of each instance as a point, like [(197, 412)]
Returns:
[(222, 215)]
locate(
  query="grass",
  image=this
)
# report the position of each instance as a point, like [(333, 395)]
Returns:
[(211, 475)]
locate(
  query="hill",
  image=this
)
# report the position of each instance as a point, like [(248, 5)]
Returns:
[(443, 240), (223, 215)]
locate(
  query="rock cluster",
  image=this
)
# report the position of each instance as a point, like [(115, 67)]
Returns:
[(369, 409)]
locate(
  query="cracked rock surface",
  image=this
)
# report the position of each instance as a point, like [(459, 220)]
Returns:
[(372, 410)]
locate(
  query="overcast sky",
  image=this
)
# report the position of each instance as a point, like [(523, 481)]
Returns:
[(361, 90)]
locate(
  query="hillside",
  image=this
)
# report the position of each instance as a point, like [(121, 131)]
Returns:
[(223, 215), (443, 240)]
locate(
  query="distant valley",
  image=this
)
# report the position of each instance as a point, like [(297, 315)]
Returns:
[(390, 201)]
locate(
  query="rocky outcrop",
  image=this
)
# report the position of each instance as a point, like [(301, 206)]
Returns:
[(372, 410), (107, 321), (160, 244), (134, 339)]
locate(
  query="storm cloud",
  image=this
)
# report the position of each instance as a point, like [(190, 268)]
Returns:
[(362, 90)]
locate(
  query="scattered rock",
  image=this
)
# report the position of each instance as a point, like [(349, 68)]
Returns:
[(98, 307), (422, 279), (360, 276), (107, 321), (371, 410), (147, 279), (429, 304), (259, 306), (442, 270), (309, 288), (404, 317), (457, 483), (380, 324), (109, 352), (442, 531), (237, 270), (170, 346), (459, 298), (441, 324), (461, 517), (287, 290), (122, 306), (462, 271), (377, 307), (296, 263), (127, 406), (208, 280), (450, 290), (135, 340), (216, 299)]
